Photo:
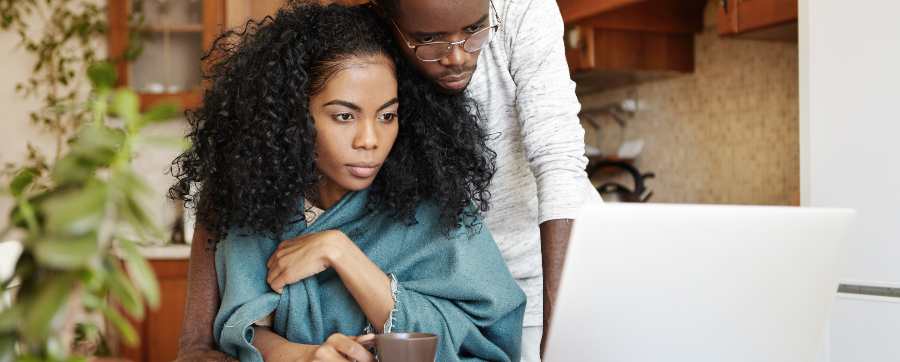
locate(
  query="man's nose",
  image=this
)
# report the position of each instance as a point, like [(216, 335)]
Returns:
[(456, 58)]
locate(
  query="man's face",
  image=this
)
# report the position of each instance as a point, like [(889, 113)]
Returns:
[(423, 21)]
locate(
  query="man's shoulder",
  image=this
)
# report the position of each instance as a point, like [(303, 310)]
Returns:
[(525, 19), (513, 11)]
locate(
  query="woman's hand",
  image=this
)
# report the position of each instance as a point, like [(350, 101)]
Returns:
[(310, 254), (342, 348), (302, 257)]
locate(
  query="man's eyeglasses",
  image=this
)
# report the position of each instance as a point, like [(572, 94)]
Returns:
[(436, 50)]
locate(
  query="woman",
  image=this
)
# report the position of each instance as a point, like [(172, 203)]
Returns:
[(345, 193)]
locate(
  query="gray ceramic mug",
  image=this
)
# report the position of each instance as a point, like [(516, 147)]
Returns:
[(406, 347)]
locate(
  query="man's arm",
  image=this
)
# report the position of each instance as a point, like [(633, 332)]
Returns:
[(197, 343), (552, 133), (554, 243)]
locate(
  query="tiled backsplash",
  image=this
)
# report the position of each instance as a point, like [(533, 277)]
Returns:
[(728, 133)]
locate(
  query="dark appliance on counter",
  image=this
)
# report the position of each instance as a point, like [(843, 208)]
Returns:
[(616, 192)]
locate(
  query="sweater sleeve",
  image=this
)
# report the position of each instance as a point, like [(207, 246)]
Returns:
[(547, 106), (197, 342)]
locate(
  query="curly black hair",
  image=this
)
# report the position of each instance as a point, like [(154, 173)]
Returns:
[(253, 139)]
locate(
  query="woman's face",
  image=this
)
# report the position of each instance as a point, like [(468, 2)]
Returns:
[(356, 124)]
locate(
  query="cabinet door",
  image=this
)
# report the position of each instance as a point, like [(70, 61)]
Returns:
[(741, 16), (579, 40), (160, 330), (573, 10), (174, 37)]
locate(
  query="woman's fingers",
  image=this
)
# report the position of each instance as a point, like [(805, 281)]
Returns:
[(279, 255), (294, 260), (350, 348), (276, 279), (284, 248), (281, 276)]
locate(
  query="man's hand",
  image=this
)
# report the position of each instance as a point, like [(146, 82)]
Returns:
[(302, 257), (338, 347)]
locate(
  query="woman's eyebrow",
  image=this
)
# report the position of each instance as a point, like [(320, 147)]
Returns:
[(339, 102), (389, 103)]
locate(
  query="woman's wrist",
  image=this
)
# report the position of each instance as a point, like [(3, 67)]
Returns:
[(338, 249), (367, 283)]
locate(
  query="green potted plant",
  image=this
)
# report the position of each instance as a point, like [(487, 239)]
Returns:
[(80, 228), (79, 216)]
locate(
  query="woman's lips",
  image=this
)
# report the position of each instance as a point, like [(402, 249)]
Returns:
[(363, 170)]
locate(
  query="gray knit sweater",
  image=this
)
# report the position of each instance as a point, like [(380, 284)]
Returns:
[(527, 103)]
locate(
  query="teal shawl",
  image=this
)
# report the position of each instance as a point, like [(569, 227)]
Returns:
[(455, 285)]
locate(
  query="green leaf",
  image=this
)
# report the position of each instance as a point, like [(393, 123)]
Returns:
[(93, 279), (102, 75), (22, 180), (123, 291), (129, 335), (140, 273), (162, 112), (127, 182), (133, 212), (52, 295), (72, 169), (94, 146), (92, 301), (130, 190), (28, 215), (97, 143), (7, 347), (68, 253), (9, 318), (125, 104), (76, 211)]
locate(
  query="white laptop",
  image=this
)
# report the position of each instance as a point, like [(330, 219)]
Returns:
[(647, 282)]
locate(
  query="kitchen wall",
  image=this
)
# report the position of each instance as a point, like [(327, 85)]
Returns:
[(728, 133), (15, 66), (16, 130)]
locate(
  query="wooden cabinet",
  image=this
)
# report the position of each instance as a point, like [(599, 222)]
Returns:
[(160, 330), (239, 11), (611, 43), (573, 10), (174, 36), (766, 19)]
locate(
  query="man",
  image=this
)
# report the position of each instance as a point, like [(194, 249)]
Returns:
[(509, 56)]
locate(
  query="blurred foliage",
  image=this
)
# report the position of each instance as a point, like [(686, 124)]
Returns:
[(78, 214), (80, 231)]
